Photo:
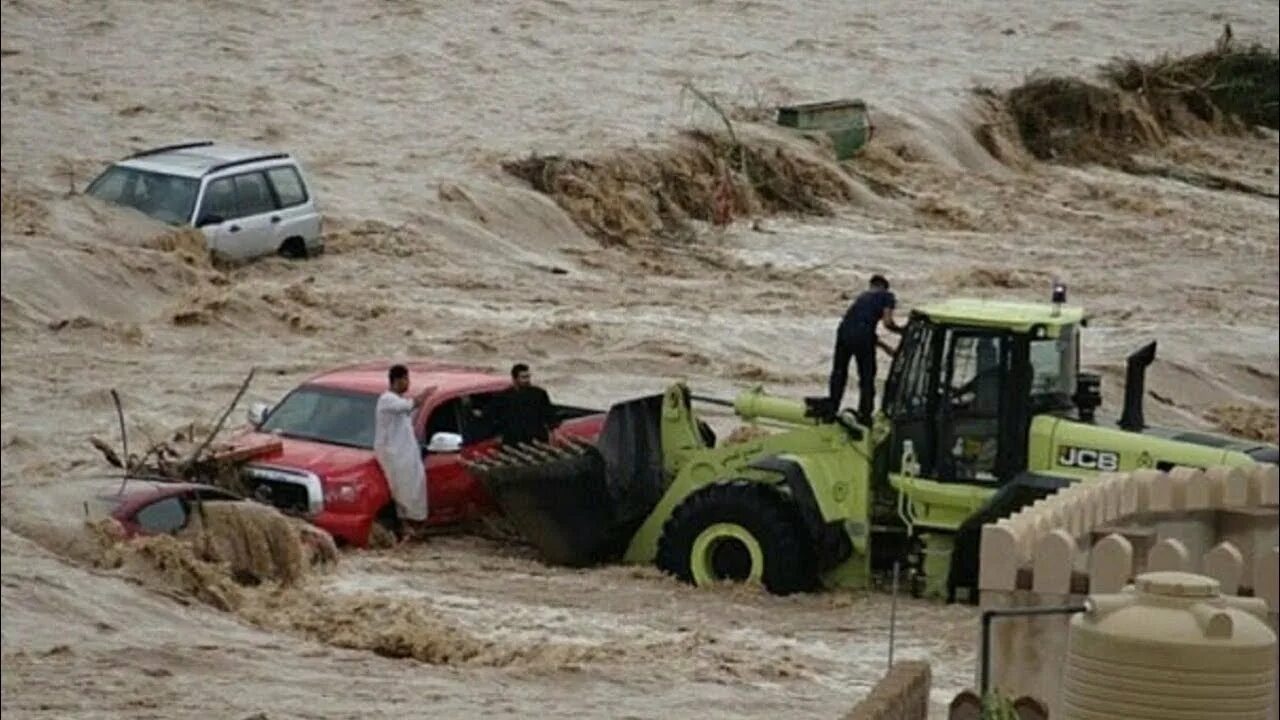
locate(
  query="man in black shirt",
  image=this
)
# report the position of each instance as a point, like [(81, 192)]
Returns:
[(524, 412), (856, 339)]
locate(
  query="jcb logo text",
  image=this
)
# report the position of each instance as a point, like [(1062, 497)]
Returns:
[(1088, 459)]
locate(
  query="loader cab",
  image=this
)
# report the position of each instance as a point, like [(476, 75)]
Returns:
[(966, 381)]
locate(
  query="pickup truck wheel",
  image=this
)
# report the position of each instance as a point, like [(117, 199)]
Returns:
[(385, 530), (738, 532)]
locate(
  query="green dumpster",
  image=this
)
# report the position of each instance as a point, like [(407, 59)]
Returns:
[(845, 121)]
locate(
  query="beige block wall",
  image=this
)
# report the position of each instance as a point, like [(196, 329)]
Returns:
[(902, 694), (1222, 522)]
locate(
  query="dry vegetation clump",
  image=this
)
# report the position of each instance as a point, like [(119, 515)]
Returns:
[(1142, 103), (1068, 119), (1213, 87), (637, 193), (1249, 421), (1071, 120)]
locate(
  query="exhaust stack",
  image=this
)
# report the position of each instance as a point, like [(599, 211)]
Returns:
[(1135, 387)]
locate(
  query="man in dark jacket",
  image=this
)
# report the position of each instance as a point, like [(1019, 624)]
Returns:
[(856, 339), (524, 412)]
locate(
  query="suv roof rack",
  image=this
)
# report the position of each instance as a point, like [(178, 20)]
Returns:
[(170, 148), (245, 161)]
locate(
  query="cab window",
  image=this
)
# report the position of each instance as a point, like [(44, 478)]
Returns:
[(970, 442), (909, 386), (976, 373), (444, 419), (480, 422), (1053, 366)]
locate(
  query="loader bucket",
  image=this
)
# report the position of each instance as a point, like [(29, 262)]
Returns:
[(578, 503), (558, 502)]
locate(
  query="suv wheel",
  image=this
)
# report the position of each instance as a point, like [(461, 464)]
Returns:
[(294, 248)]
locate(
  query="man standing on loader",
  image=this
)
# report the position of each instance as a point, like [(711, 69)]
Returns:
[(856, 339)]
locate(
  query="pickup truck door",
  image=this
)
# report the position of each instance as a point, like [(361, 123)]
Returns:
[(448, 482), (479, 437)]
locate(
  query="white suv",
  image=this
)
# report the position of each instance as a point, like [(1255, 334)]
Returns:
[(247, 203)]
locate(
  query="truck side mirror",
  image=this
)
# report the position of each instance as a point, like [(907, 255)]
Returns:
[(445, 442), (258, 413)]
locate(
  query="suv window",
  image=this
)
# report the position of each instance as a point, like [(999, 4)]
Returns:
[(288, 185), (167, 198), (253, 195), (168, 515), (220, 200), (110, 186), (238, 196)]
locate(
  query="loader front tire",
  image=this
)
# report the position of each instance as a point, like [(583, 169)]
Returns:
[(738, 532)]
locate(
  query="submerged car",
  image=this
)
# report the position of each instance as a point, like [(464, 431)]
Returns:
[(248, 203), (154, 508), (144, 508)]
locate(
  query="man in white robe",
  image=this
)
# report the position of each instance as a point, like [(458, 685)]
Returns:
[(397, 449)]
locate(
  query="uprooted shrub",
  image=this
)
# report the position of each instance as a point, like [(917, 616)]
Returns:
[(1214, 85), (636, 193), (1069, 119), (1072, 120)]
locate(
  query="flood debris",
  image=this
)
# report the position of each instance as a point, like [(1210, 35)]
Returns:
[(1214, 87), (1071, 120), (629, 195), (180, 457), (1140, 105)]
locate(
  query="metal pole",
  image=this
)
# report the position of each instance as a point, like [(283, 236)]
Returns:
[(893, 612), (987, 616)]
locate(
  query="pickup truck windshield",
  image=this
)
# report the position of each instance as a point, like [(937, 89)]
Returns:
[(325, 415), (167, 198)]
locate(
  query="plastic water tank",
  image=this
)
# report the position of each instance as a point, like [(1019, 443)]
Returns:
[(1169, 647)]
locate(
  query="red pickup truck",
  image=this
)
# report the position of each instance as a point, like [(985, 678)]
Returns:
[(324, 468)]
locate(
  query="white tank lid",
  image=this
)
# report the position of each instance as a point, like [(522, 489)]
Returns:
[(1177, 584)]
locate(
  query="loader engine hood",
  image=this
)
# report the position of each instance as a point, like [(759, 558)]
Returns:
[(1260, 452), (1106, 444), (1069, 447)]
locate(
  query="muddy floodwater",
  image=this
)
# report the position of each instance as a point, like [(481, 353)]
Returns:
[(403, 113)]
